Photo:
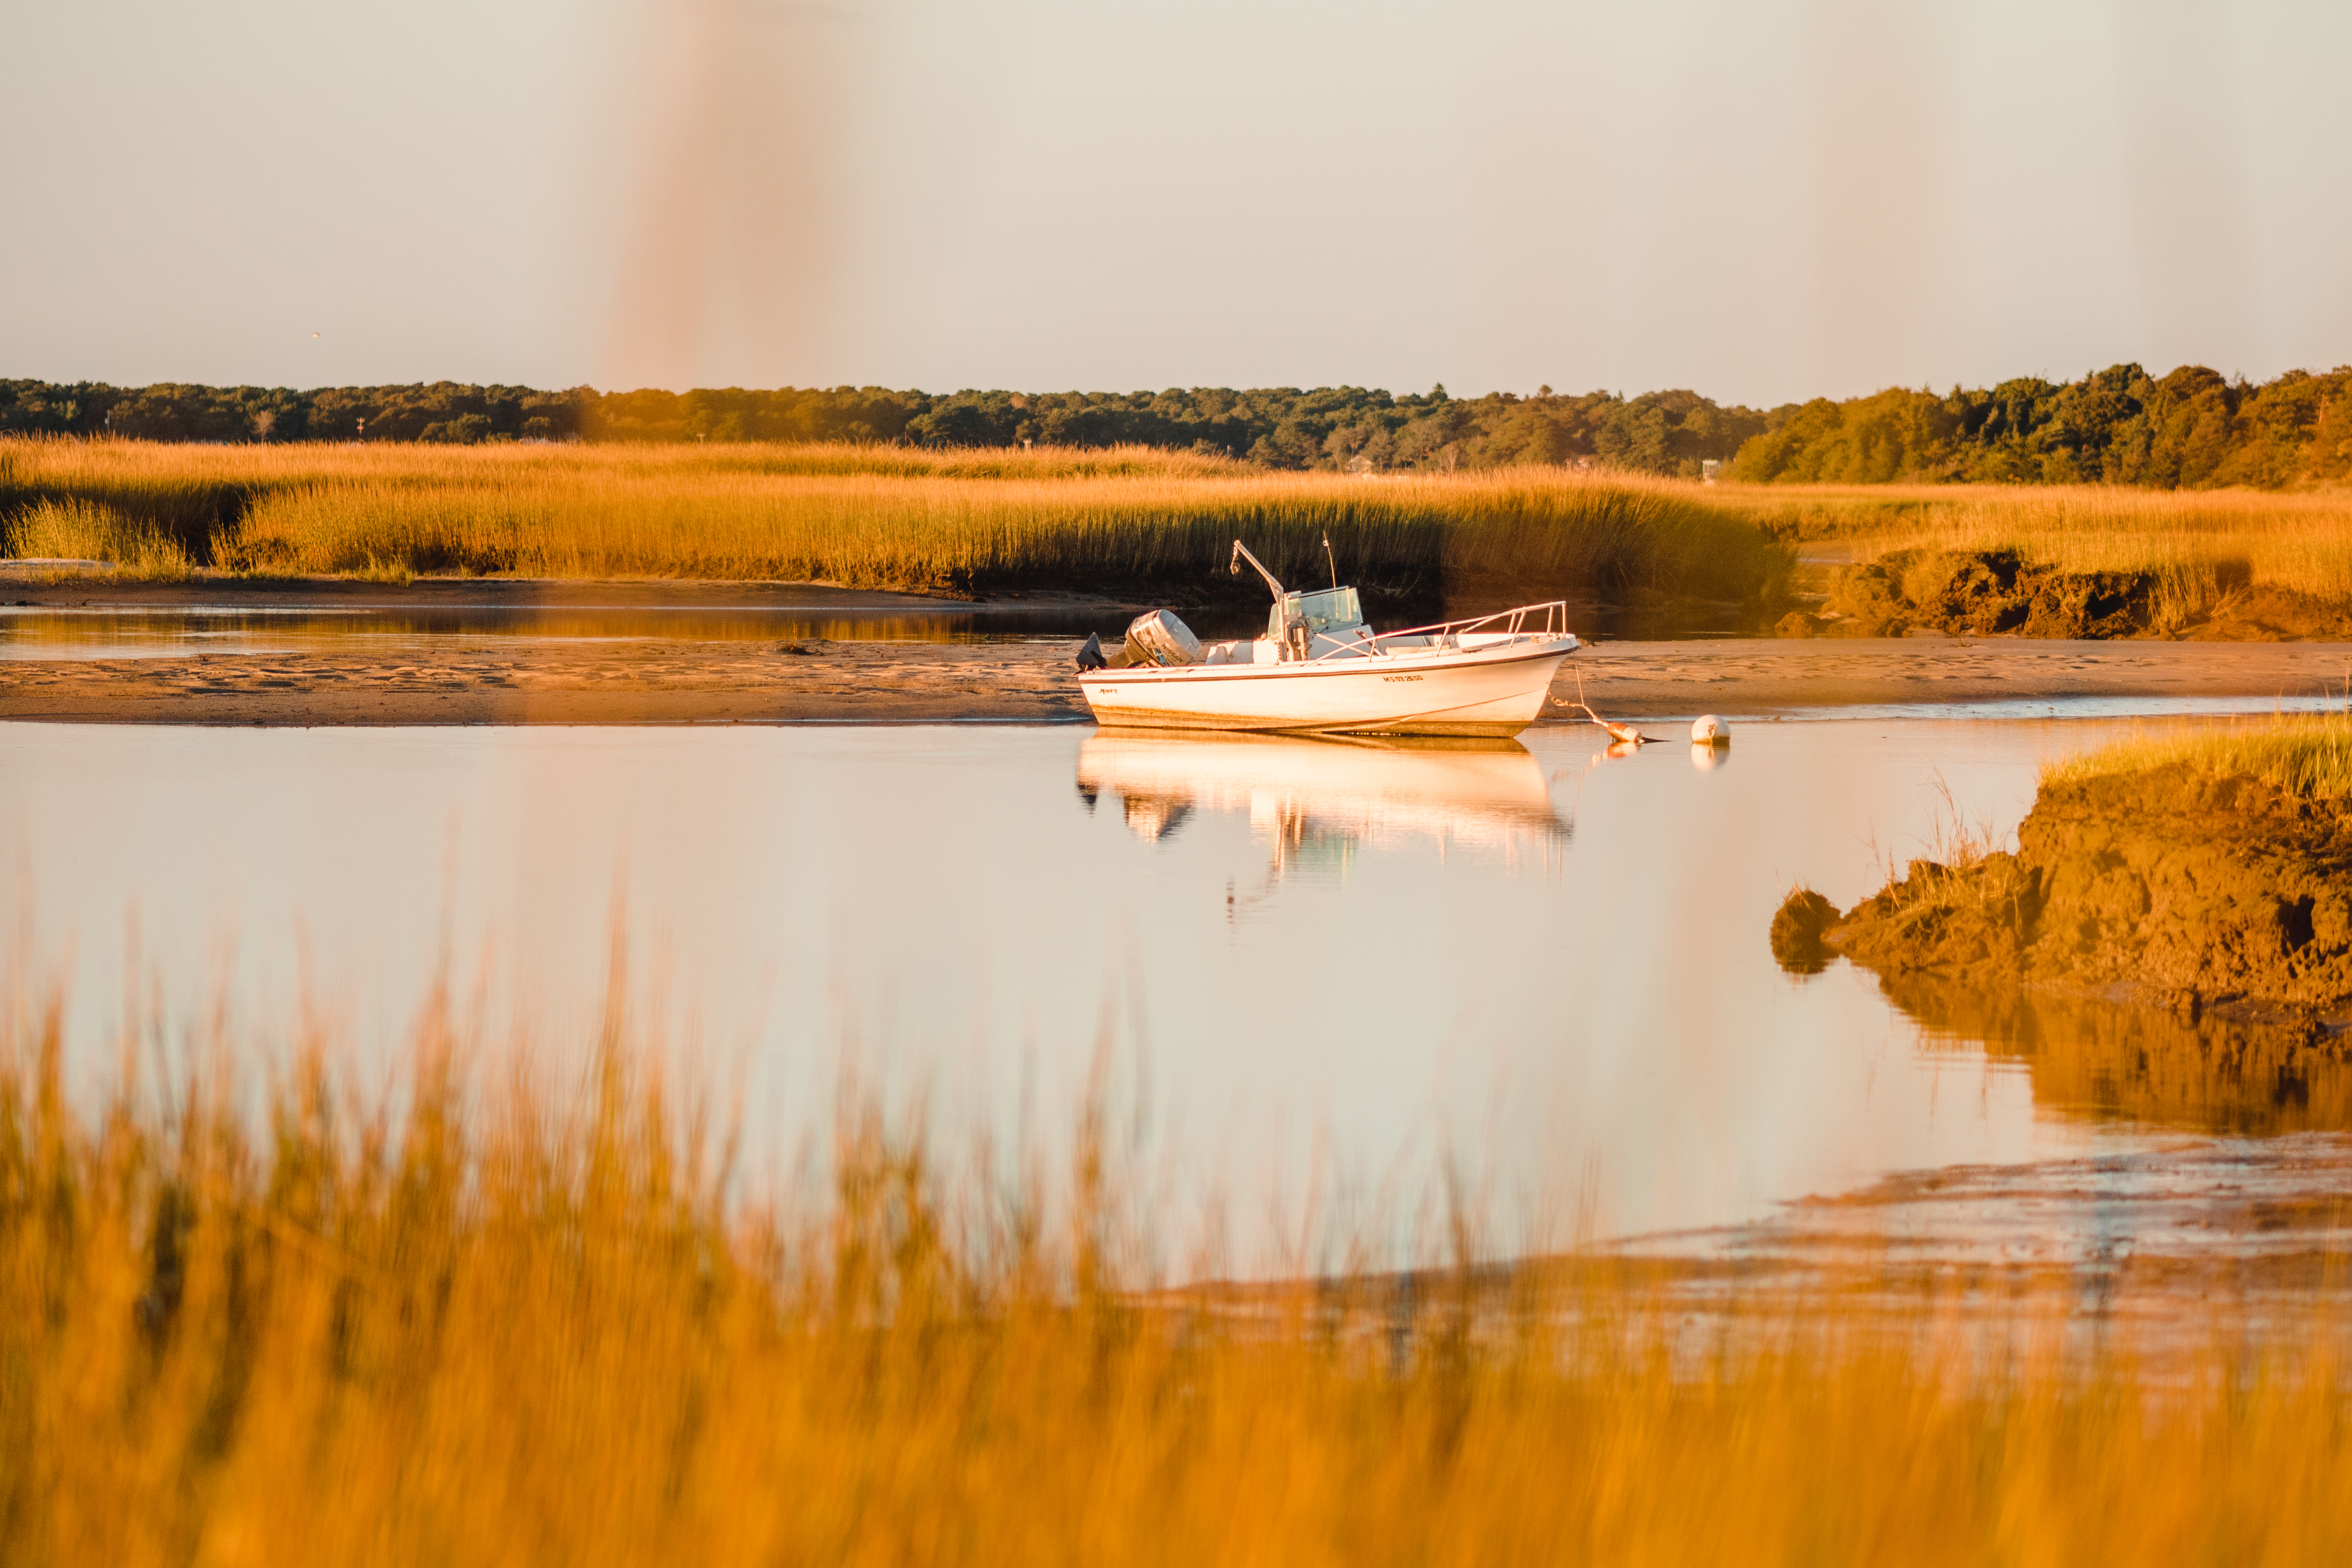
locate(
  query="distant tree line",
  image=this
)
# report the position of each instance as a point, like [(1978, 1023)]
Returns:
[(2190, 429), (1329, 428), (2120, 425)]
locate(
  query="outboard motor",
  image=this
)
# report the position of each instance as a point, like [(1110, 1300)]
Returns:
[(1160, 639)]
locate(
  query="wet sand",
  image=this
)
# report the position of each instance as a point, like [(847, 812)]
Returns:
[(2164, 1249), (469, 680), (522, 680), (2159, 1249)]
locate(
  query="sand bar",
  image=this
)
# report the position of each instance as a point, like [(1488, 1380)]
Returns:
[(469, 680)]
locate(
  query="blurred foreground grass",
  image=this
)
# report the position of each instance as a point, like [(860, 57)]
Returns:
[(500, 1324)]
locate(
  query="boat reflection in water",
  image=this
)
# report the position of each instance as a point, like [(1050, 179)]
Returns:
[(1318, 800)]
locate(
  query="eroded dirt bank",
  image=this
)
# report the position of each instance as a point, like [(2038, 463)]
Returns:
[(2183, 889)]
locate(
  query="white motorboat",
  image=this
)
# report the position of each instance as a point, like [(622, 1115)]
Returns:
[(1321, 668)]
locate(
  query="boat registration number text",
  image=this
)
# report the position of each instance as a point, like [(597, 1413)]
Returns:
[(1400, 678)]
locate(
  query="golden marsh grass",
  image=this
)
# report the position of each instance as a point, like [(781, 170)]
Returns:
[(2305, 758), (92, 531), (887, 517), (1118, 520), (510, 1326)]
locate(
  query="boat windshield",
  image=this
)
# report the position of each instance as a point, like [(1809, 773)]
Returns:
[(1329, 610)]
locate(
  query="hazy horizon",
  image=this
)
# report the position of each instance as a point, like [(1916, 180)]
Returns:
[(1762, 203)]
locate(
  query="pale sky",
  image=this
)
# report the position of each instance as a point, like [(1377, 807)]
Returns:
[(1764, 200)]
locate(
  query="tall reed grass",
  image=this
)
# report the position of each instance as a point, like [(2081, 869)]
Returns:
[(969, 523), (504, 1325), (92, 530)]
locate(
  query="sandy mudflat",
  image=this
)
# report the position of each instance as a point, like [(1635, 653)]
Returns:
[(523, 680)]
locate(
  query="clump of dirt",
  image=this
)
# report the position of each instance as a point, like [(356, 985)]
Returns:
[(1997, 592), (1796, 931), (2183, 889), (1974, 919)]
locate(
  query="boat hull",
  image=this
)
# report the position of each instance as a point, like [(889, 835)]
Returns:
[(1496, 693)]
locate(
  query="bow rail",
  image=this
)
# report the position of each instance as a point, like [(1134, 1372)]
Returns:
[(1549, 619)]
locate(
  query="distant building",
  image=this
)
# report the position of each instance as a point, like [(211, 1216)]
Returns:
[(1362, 466), (1708, 469)]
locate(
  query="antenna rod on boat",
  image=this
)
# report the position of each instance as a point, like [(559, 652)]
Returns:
[(1241, 553), (1328, 556)]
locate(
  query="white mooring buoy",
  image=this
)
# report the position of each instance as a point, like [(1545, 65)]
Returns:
[(1710, 731)]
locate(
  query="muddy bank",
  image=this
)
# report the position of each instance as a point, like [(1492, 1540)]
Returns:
[(2226, 896), (1998, 592)]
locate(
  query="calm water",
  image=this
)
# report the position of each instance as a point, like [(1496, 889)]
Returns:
[(1313, 971)]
